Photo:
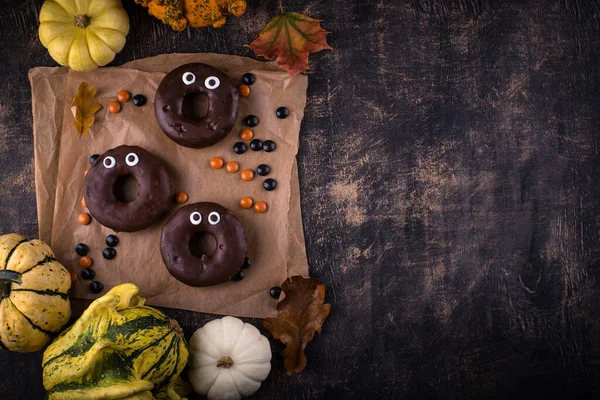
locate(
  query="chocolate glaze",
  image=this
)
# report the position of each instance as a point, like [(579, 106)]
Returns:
[(187, 130), (206, 270), (153, 198)]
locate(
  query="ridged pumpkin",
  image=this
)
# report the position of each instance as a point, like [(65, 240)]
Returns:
[(34, 294), (117, 349), (83, 34)]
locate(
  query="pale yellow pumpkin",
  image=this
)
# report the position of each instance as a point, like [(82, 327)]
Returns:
[(83, 34)]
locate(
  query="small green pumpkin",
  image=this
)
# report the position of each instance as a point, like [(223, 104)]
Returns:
[(117, 349)]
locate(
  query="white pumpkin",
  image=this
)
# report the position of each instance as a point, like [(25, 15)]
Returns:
[(228, 359)]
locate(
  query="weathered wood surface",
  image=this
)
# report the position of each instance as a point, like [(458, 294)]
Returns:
[(449, 171)]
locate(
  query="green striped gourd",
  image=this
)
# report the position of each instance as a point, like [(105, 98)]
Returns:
[(117, 349), (34, 294)]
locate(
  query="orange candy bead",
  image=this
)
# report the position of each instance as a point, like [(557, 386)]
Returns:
[(123, 96), (73, 276), (84, 219), (216, 162), (181, 197), (85, 262), (86, 171), (232, 167), (260, 207), (114, 107), (83, 204), (246, 202), (246, 134), (244, 90), (247, 175)]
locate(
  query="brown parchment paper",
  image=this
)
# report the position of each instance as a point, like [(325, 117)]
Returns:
[(275, 239)]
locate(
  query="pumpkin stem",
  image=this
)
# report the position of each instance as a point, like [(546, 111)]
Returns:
[(82, 20), (225, 362), (7, 277), (176, 327)]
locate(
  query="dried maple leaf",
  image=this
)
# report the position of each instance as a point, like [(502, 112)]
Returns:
[(84, 107), (301, 314), (291, 37)]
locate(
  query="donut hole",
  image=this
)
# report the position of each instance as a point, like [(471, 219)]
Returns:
[(201, 244), (126, 188), (195, 105)]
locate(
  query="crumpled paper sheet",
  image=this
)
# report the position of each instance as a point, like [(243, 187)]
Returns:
[(275, 239)]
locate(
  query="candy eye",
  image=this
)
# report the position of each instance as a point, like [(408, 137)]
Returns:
[(212, 82), (132, 159), (188, 78), (214, 218), (195, 218), (109, 162)]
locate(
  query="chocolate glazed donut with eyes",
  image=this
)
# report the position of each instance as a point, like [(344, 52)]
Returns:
[(152, 200), (191, 80), (205, 270)]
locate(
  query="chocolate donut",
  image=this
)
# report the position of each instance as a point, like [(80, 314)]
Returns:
[(203, 270), (185, 82), (103, 180)]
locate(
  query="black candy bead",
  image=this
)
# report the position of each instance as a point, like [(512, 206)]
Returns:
[(268, 146), (139, 100), (239, 148), (81, 249), (247, 263), (248, 79), (251, 121), (282, 112), (256, 144), (112, 240), (94, 157), (263, 170), (275, 292), (109, 253), (88, 274), (96, 287), (238, 277), (269, 184)]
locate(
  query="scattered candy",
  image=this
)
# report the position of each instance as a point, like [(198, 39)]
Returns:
[(247, 263), (86, 171), (238, 277), (112, 240), (85, 262), (232, 167), (247, 175), (216, 162), (83, 203), (256, 145), (96, 287), (275, 292), (88, 274), (251, 121), (94, 157), (244, 90), (260, 207), (239, 148), (73, 276), (268, 146), (246, 134), (282, 112), (246, 202), (81, 249), (269, 184), (248, 79), (84, 219), (123, 96), (114, 107), (263, 170), (181, 198), (139, 100), (109, 253)]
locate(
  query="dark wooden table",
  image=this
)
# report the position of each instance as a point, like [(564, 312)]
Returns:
[(450, 171)]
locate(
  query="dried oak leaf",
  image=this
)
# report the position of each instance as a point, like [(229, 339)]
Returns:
[(301, 314), (84, 107), (291, 37)]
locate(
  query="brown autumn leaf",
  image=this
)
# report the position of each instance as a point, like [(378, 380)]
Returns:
[(301, 314), (291, 37), (84, 107)]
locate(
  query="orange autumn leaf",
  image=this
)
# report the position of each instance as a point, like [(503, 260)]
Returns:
[(84, 106), (291, 37), (301, 315)]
